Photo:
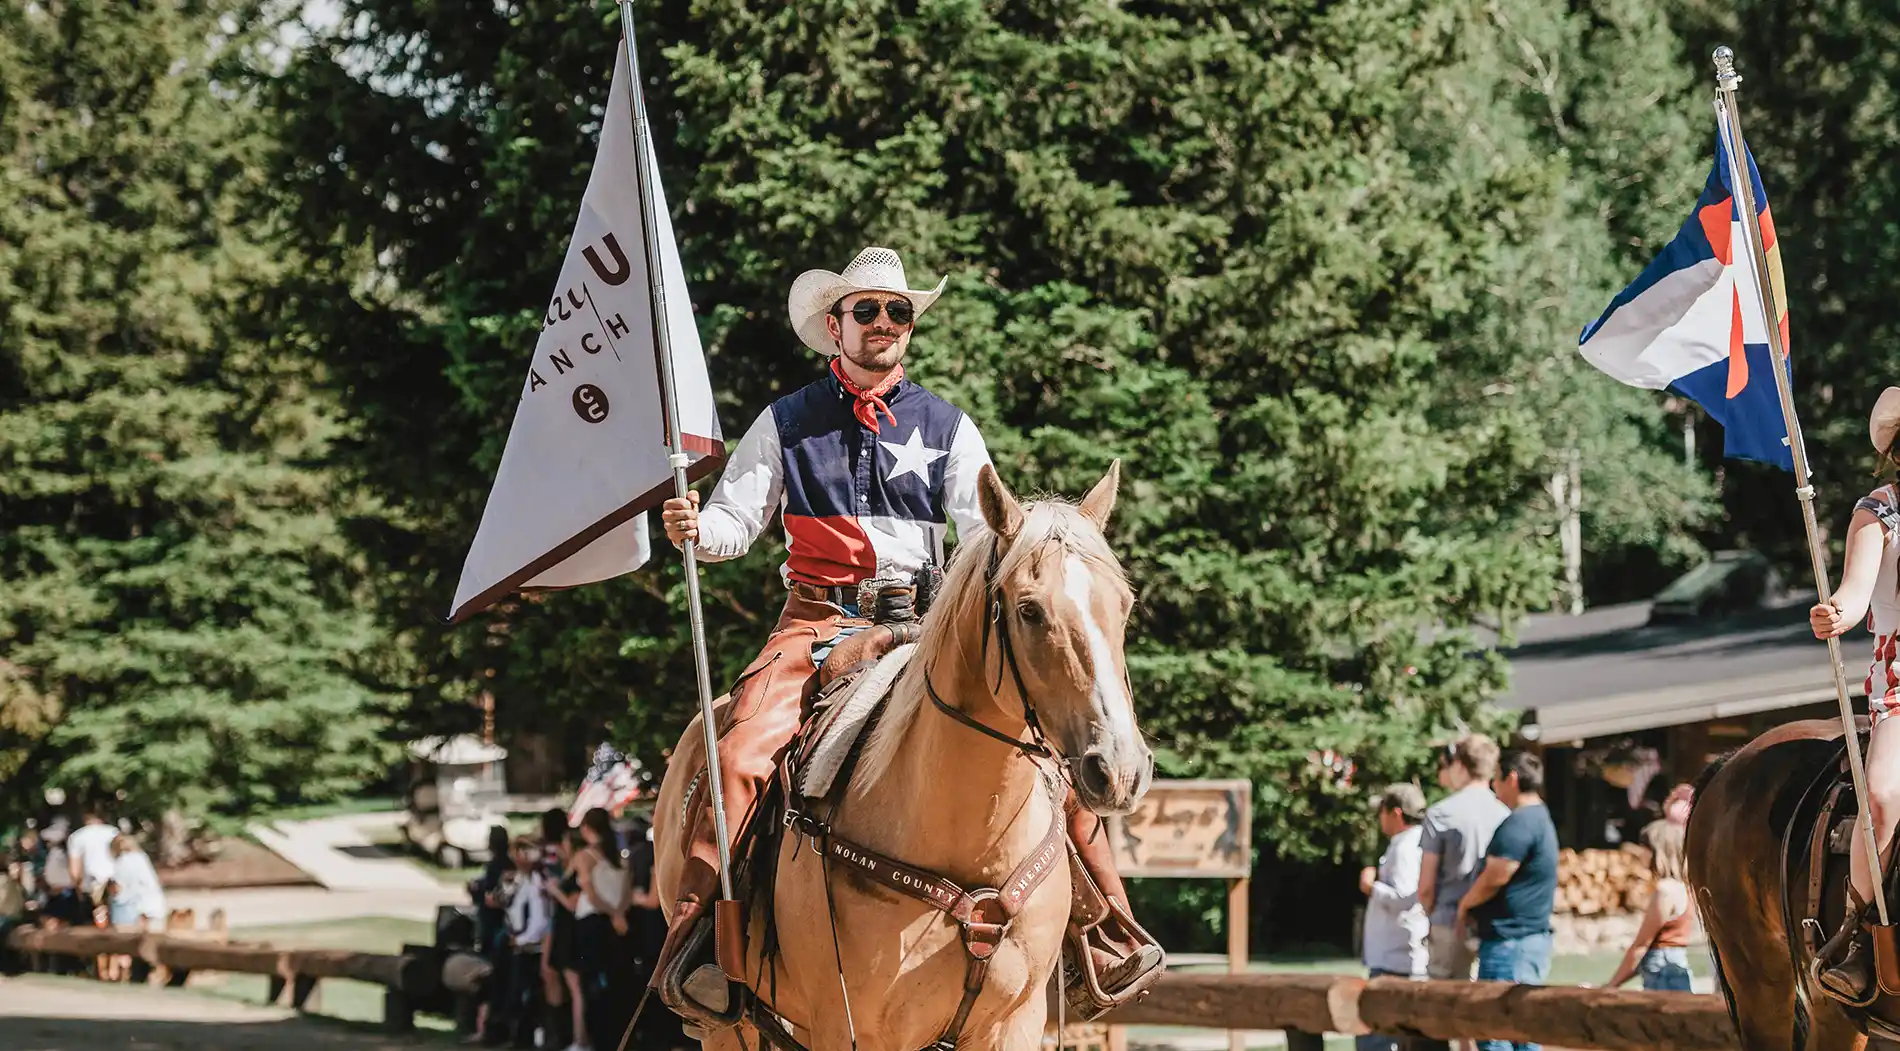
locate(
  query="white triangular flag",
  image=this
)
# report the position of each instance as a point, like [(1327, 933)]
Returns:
[(587, 454)]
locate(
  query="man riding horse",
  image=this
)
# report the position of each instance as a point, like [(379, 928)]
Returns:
[(866, 468)]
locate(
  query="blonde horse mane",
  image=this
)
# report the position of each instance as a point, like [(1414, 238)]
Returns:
[(963, 603)]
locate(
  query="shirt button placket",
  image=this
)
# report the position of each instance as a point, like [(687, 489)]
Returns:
[(864, 471)]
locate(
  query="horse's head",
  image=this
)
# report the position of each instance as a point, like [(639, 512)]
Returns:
[(1059, 604)]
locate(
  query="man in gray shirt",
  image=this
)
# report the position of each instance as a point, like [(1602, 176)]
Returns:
[(1457, 831)]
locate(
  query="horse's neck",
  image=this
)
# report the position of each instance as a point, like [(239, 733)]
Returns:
[(953, 800)]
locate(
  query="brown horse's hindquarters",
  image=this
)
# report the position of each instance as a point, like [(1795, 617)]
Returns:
[(1735, 839)]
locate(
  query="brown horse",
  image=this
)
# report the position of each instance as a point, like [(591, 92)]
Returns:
[(940, 796), (1744, 807)]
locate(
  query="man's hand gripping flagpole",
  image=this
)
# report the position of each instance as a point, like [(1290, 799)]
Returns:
[(680, 460), (1726, 83)]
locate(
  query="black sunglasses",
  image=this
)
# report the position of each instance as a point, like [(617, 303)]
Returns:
[(865, 311)]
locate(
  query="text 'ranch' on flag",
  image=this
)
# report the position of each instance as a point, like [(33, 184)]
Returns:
[(1692, 322), (587, 453)]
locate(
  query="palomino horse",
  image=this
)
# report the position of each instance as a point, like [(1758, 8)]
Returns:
[(1745, 807), (943, 797)]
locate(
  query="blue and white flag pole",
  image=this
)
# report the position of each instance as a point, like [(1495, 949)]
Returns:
[(1729, 120)]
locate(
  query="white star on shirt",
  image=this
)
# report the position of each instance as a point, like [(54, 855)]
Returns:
[(912, 457)]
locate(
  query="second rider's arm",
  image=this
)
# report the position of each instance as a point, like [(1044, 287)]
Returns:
[(1859, 570)]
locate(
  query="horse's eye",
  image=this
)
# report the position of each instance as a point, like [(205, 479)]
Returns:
[(1030, 613)]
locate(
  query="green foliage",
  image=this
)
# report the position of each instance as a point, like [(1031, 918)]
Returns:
[(178, 609)]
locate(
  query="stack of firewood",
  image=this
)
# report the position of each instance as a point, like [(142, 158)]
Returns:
[(1595, 882)]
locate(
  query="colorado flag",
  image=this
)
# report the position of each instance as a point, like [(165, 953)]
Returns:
[(1692, 322)]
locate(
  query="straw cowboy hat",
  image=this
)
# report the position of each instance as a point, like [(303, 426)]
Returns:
[(1884, 422), (875, 269)]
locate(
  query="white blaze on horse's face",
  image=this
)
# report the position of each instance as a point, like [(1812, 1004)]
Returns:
[(1067, 605), (1112, 765)]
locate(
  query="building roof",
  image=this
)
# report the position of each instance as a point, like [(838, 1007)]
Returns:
[(1608, 671)]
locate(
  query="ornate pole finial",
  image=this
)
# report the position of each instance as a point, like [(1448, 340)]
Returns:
[(1725, 76)]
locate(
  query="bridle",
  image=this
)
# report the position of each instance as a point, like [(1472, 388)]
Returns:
[(997, 621)]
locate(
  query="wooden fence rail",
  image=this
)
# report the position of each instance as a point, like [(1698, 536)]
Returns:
[(404, 978), (1303, 1005), (1556, 1016)]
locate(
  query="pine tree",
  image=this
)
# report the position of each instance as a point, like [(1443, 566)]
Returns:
[(178, 612)]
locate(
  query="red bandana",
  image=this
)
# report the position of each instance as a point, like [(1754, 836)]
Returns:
[(870, 402)]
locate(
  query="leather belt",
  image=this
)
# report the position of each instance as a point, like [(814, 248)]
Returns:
[(835, 594)]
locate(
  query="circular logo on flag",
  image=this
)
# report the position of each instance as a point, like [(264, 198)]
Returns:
[(590, 403)]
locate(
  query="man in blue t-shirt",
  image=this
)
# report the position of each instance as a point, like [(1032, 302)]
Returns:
[(1512, 899)]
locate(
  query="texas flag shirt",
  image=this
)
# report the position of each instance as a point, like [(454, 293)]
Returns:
[(856, 504)]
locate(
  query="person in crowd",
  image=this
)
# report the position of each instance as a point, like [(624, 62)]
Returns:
[(1675, 808), (557, 947), (600, 928), (489, 895), (61, 906), (89, 856), (31, 854), (1660, 949), (134, 900), (566, 894), (13, 899), (1511, 900), (1454, 835), (660, 1028), (1396, 926), (529, 915)]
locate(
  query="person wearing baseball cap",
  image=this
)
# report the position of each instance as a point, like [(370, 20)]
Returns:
[(1396, 926)]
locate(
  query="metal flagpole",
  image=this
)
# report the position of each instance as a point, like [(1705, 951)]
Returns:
[(1726, 82), (680, 460)]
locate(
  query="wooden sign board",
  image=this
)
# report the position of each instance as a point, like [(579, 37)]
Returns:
[(1188, 829)]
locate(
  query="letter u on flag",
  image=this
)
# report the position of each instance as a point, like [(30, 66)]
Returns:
[(587, 454), (1691, 323)]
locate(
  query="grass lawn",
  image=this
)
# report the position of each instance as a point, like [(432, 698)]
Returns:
[(391, 841), (339, 808)]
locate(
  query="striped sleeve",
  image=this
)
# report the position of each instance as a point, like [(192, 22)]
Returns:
[(1881, 503), (968, 454)]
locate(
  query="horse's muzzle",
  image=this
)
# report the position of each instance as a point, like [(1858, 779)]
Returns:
[(1111, 778)]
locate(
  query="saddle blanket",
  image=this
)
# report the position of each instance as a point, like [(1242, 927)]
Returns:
[(838, 732)]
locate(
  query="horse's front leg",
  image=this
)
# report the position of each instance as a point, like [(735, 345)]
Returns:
[(1023, 1030)]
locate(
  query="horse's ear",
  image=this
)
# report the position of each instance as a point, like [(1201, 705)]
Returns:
[(1100, 503), (1000, 510)]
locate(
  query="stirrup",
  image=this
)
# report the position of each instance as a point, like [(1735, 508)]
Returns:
[(1859, 945), (1086, 996), (682, 977), (1852, 936)]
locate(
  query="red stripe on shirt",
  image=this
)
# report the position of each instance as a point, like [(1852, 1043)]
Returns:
[(829, 550)]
